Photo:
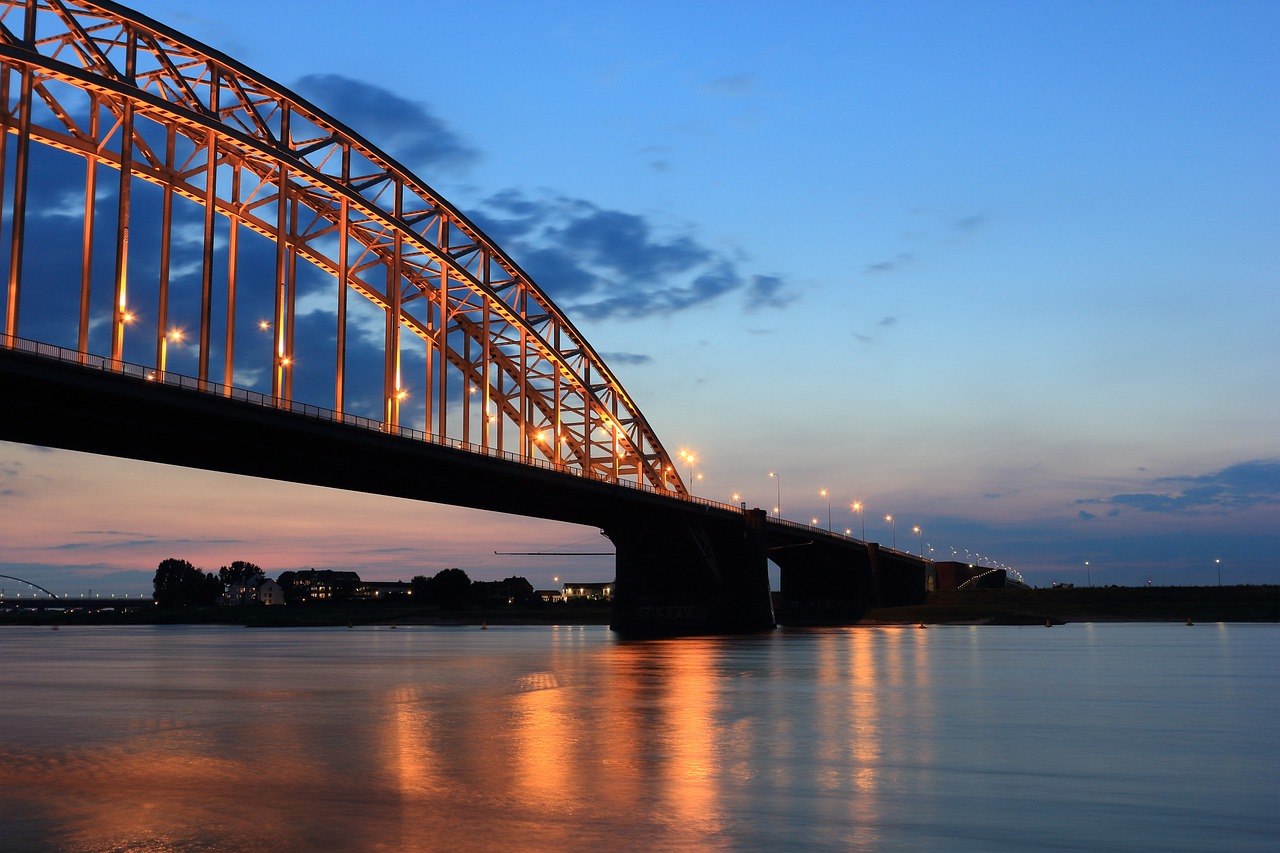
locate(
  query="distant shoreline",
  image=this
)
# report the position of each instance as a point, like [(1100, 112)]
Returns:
[(1058, 605)]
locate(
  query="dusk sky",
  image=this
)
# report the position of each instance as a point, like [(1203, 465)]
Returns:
[(1005, 270)]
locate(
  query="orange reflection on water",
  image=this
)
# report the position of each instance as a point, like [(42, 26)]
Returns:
[(158, 793), (691, 792), (410, 758)]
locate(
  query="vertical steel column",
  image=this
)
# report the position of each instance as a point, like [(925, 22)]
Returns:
[(469, 391), (21, 165), (86, 249), (120, 313), (291, 298), (588, 431), (442, 333), (166, 241), (340, 369), (278, 350), (487, 396), (233, 261), (206, 265), (556, 370), (526, 439), (391, 355)]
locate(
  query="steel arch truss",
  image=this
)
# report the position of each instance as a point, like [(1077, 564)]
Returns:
[(504, 365)]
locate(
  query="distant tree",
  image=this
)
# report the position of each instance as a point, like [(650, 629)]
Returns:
[(449, 585), (286, 584), (420, 588), (177, 583), (237, 573)]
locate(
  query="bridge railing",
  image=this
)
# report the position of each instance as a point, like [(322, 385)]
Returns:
[(259, 398)]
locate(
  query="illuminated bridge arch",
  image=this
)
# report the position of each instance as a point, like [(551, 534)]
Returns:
[(253, 218), (30, 584)]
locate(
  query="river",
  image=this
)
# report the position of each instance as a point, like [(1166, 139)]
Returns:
[(1077, 737)]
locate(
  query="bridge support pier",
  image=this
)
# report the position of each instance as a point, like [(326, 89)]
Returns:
[(822, 584), (690, 578)]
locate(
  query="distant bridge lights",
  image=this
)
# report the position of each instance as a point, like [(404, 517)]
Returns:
[(918, 532), (857, 507), (777, 510), (826, 494), (893, 527)]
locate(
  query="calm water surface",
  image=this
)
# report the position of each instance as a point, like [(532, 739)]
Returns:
[(1079, 737)]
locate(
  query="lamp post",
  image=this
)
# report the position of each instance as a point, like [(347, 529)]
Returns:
[(893, 526), (857, 507), (917, 531), (690, 458), (1218, 563), (1088, 573), (826, 494), (777, 510)]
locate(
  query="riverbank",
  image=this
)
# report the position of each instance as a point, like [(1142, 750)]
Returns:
[(1089, 604), (982, 606)]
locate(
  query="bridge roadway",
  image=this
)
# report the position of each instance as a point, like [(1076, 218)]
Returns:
[(683, 566)]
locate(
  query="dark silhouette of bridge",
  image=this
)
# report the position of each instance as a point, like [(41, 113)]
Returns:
[(248, 286)]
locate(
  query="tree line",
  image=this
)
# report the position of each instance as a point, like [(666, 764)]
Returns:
[(178, 583)]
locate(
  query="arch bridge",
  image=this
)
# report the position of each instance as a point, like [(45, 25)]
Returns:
[(202, 268)]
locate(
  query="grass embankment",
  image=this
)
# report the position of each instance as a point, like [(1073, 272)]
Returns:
[(1091, 604)]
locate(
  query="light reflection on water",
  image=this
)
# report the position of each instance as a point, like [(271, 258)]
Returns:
[(1123, 737)]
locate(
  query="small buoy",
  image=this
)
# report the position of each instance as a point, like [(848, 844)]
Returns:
[(1048, 623), (393, 627), (484, 626), (55, 627), (1189, 622), (921, 625), (349, 625)]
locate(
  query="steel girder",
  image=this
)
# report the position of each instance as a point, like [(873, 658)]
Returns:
[(128, 93)]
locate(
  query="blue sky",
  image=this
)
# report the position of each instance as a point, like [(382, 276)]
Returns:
[(1006, 270)]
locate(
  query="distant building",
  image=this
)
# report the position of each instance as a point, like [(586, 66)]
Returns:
[(383, 590), (258, 589), (588, 591), (549, 594), (324, 585)]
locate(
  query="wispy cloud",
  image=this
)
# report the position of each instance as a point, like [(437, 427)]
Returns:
[(1238, 487), (935, 231), (626, 358), (609, 264), (884, 323), (736, 84)]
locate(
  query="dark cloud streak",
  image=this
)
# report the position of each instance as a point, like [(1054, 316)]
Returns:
[(404, 129), (1238, 487)]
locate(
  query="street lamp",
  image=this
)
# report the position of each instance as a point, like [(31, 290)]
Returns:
[(690, 458), (1218, 563), (916, 530), (777, 510), (1088, 573), (893, 526), (824, 493), (857, 507)]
